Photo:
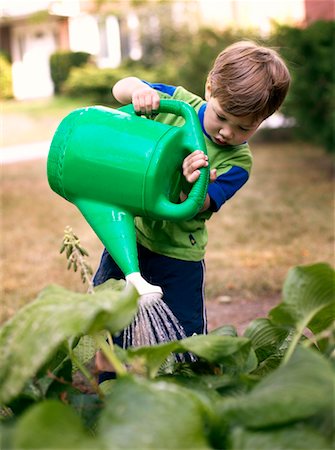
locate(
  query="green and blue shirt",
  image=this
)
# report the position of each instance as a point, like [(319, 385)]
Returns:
[(187, 240)]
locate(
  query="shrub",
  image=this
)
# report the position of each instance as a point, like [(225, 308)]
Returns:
[(311, 99), (6, 89), (95, 84), (61, 64)]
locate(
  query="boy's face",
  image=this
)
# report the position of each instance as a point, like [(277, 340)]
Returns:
[(224, 128)]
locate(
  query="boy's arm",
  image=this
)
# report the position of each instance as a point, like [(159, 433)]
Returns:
[(132, 90)]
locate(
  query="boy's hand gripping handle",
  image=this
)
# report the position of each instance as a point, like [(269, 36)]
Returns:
[(193, 140)]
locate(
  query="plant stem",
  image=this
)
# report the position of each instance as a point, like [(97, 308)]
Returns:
[(109, 353), (296, 337)]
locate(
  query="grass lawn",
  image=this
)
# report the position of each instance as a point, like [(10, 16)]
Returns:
[(30, 121), (281, 218)]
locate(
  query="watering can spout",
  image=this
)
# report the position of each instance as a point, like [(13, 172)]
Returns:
[(115, 228)]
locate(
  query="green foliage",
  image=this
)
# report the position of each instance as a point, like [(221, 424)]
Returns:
[(6, 89), (61, 64), (311, 100), (231, 397), (57, 318), (91, 83), (95, 84)]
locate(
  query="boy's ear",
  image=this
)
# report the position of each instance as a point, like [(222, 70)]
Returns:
[(208, 90)]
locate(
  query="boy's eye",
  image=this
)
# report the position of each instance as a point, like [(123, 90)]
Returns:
[(244, 129), (220, 117)]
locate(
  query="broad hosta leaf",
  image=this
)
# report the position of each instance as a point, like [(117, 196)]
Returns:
[(151, 415), (296, 437), (225, 330), (232, 352), (85, 350), (215, 348), (295, 391), (266, 338), (54, 426), (308, 298), (34, 334)]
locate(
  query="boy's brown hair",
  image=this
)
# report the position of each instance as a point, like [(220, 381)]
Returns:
[(248, 79)]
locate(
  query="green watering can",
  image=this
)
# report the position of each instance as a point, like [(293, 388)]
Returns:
[(114, 165)]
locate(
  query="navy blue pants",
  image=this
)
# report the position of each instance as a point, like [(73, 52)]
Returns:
[(182, 283)]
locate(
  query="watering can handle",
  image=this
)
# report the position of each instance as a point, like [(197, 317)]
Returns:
[(193, 140)]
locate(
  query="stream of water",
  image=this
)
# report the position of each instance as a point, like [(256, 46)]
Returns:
[(154, 323)]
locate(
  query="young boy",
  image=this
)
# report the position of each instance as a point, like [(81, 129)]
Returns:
[(246, 85)]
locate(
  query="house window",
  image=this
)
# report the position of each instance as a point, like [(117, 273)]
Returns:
[(110, 46), (21, 46)]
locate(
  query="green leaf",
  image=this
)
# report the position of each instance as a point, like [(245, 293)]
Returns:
[(85, 350), (6, 435), (88, 407), (308, 298), (52, 425), (232, 352), (225, 330), (298, 390), (296, 437), (309, 302), (34, 334), (266, 338), (215, 348), (143, 414)]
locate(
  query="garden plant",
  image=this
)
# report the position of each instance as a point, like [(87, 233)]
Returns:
[(272, 387)]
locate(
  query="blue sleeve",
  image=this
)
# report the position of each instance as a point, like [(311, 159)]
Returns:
[(164, 88), (225, 186)]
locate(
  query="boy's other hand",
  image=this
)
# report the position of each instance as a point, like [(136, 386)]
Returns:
[(145, 100), (192, 163)]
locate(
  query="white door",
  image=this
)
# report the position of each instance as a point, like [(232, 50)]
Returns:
[(31, 67)]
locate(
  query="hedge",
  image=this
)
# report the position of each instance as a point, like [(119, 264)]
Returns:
[(6, 88), (61, 63)]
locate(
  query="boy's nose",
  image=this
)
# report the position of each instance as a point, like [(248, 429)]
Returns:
[(226, 132)]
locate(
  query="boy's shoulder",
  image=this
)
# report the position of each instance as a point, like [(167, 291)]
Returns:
[(192, 99), (181, 94), (224, 157), (166, 91)]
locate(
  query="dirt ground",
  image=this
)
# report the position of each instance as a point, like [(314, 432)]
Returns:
[(238, 312)]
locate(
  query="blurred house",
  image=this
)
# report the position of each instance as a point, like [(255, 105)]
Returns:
[(30, 31)]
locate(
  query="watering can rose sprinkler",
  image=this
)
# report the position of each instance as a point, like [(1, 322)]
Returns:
[(115, 165)]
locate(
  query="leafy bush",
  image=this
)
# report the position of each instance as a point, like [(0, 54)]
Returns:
[(6, 88), (92, 83), (311, 100), (61, 63), (269, 388)]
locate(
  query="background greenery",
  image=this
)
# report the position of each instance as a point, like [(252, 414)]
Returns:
[(62, 62), (309, 53)]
